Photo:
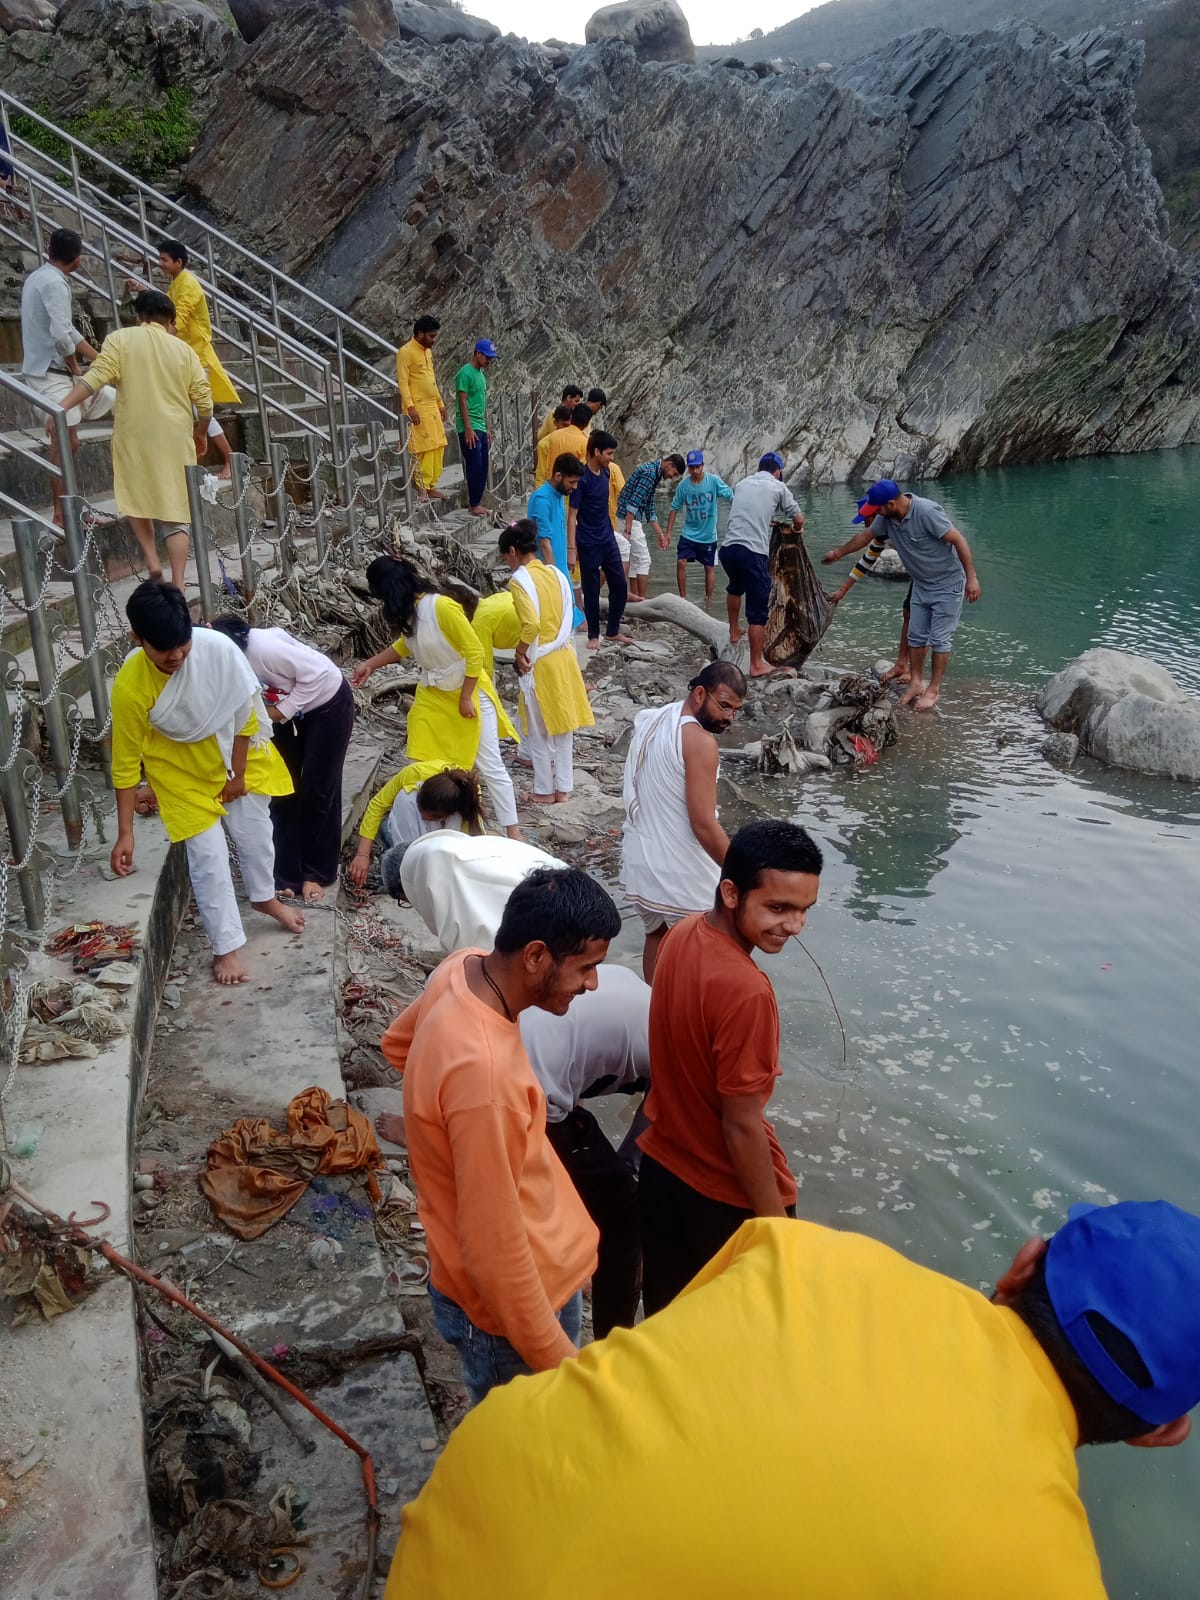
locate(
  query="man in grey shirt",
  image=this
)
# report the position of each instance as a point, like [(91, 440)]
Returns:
[(51, 344), (758, 501), (938, 560)]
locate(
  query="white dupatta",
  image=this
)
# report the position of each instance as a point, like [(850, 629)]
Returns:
[(536, 651), (211, 696)]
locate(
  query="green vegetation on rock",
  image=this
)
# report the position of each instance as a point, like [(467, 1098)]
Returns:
[(150, 139)]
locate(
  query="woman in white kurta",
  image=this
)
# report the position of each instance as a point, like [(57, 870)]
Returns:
[(553, 696)]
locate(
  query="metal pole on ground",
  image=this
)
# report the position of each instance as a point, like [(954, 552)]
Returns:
[(316, 489), (200, 545), (279, 465), (238, 467), (82, 578), (28, 547), (14, 798)]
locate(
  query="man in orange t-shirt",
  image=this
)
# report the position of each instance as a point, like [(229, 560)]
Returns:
[(710, 1158), (510, 1243)]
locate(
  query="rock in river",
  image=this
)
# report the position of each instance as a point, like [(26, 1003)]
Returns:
[(1127, 711)]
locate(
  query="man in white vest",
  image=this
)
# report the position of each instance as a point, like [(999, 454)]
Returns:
[(673, 843)]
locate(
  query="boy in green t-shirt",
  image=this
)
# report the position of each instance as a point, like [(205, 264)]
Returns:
[(470, 394)]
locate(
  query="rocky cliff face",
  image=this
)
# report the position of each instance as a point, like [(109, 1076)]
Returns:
[(947, 255)]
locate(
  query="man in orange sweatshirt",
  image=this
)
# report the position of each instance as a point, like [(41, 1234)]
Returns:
[(510, 1243)]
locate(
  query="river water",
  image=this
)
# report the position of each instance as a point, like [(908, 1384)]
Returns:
[(1013, 948)]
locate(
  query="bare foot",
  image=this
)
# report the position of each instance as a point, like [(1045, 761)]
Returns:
[(436, 494), (389, 1125), (312, 892), (736, 635), (543, 799), (522, 761), (229, 969), (593, 644), (225, 474), (761, 672), (155, 574), (285, 894), (927, 701), (896, 674), (911, 693), (560, 795), (286, 916), (478, 511)]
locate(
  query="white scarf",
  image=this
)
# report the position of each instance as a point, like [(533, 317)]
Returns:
[(211, 696), (566, 624)]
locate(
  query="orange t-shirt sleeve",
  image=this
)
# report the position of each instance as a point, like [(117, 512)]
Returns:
[(745, 1046), (488, 1144), (398, 1036)]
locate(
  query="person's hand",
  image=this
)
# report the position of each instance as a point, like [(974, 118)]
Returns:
[(121, 860), (466, 705), (835, 598), (414, 416), (973, 590), (469, 438), (830, 557), (274, 713), (521, 657), (234, 789), (362, 671), (200, 440), (133, 286), (359, 865), (444, 412), (663, 541)]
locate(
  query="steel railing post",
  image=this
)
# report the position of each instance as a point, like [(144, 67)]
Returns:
[(78, 549), (13, 796), (350, 488), (238, 464), (279, 466), (200, 544), (28, 547), (378, 471), (316, 489), (260, 396), (108, 276), (407, 464), (35, 217)]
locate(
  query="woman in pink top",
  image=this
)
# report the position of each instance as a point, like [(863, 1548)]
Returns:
[(312, 707)]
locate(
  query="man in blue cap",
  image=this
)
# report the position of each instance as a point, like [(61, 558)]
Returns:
[(759, 501), (470, 391), (938, 559), (696, 497), (817, 1416)]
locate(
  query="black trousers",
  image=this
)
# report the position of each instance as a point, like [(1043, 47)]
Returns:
[(608, 1188), (308, 824), (596, 556), (682, 1230)]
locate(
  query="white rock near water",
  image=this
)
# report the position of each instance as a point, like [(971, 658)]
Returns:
[(1127, 711)]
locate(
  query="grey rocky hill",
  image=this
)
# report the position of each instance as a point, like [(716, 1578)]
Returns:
[(949, 254)]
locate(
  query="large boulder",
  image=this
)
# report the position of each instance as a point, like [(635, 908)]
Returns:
[(35, 15), (373, 19), (440, 23), (1127, 711), (657, 29)]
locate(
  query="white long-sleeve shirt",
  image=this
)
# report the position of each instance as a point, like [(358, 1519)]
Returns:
[(48, 336), (602, 1039), (306, 677)]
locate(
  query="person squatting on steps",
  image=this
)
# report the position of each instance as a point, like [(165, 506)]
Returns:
[(311, 707), (456, 718), (187, 707)]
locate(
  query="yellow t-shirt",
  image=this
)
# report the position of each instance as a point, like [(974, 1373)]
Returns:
[(187, 778), (814, 1418), (496, 627), (616, 482), (563, 441)]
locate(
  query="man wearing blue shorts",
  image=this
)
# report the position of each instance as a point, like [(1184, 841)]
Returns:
[(696, 497), (758, 501), (938, 560)]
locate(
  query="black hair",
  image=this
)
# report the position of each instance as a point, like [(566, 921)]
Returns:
[(560, 906), (601, 441), (768, 463), (398, 584), (173, 248), (65, 245), (597, 397), (425, 325), (581, 416), (451, 791), (572, 393), (158, 614), (570, 466), (235, 628), (563, 414), (768, 845), (521, 536), (677, 462), (1101, 1419), (154, 306), (718, 674)]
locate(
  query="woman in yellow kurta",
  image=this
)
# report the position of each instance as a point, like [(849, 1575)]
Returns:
[(192, 321), (159, 383), (423, 404), (553, 695), (190, 713), (422, 797), (456, 717)]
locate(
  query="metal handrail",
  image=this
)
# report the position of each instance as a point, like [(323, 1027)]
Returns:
[(341, 318)]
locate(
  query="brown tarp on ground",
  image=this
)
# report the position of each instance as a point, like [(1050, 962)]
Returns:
[(256, 1174), (799, 613)]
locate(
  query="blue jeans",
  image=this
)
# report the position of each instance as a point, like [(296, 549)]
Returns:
[(475, 466), (932, 621), (486, 1359)]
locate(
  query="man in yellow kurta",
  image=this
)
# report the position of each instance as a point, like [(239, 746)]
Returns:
[(423, 405), (571, 397), (160, 384), (570, 440), (187, 707), (553, 694), (192, 321)]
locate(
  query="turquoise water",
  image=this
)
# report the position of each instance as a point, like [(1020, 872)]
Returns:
[(1013, 948)]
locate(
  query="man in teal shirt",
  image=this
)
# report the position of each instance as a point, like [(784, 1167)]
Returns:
[(470, 394), (548, 508), (696, 497)]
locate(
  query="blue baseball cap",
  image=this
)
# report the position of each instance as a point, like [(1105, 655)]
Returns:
[(485, 347), (866, 511), (695, 458), (1137, 1266), (772, 455)]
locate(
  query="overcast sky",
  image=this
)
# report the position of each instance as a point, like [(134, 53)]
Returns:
[(711, 21)]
